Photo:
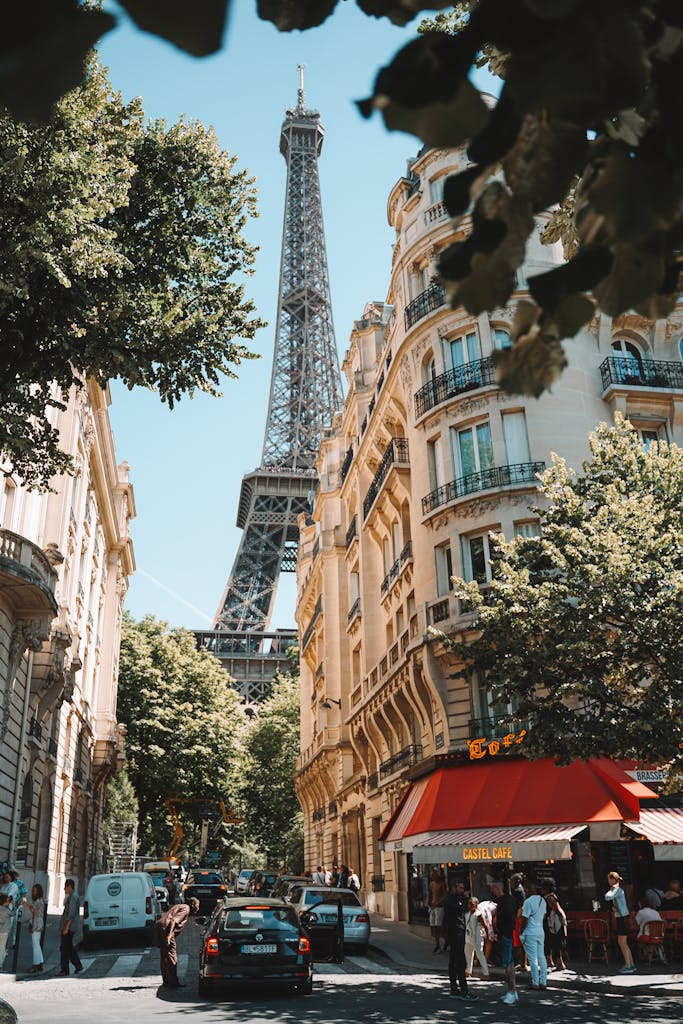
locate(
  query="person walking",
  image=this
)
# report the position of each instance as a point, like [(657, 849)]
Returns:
[(169, 925), (506, 915), (532, 934), (71, 930), (474, 938), (36, 909), (556, 921), (5, 925), (353, 881), (435, 900), (617, 897), (11, 889), (455, 906)]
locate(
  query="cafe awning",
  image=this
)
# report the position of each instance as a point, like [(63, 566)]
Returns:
[(513, 793), (531, 843), (663, 826)]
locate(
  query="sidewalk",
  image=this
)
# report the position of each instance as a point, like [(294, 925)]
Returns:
[(394, 940)]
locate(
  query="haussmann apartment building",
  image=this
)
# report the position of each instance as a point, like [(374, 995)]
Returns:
[(426, 459)]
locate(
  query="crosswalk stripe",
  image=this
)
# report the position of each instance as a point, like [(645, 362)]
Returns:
[(328, 969), (124, 966), (88, 962), (369, 965)]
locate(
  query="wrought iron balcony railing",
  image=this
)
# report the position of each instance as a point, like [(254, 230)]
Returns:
[(396, 569), (318, 814), (373, 780), (332, 808), (35, 729), (486, 479), (52, 747), (396, 453), (308, 632), (477, 374), (403, 759), (352, 532), (496, 727), (427, 301), (346, 464), (354, 610), (644, 373)]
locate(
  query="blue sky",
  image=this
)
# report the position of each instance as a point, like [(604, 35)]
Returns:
[(187, 465)]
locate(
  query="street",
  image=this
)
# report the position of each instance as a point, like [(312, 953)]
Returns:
[(121, 985)]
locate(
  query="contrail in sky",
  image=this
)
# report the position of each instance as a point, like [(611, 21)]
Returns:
[(162, 586)]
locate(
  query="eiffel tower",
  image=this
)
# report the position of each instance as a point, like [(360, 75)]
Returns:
[(305, 391)]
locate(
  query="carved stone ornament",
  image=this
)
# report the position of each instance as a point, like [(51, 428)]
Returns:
[(28, 634), (674, 324), (633, 322)]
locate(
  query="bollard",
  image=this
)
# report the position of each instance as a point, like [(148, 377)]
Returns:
[(17, 937)]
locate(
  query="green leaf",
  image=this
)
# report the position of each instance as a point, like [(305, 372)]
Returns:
[(400, 12), (43, 54), (531, 366), (544, 159), (195, 26), (442, 124), (635, 275), (578, 275)]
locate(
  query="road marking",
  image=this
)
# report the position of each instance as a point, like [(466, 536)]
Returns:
[(370, 966), (88, 962), (124, 966), (328, 969)]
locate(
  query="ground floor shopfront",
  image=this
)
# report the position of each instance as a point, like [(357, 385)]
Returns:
[(480, 822)]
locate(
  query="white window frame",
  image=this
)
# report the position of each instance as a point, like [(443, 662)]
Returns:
[(455, 448), (466, 555), (443, 561)]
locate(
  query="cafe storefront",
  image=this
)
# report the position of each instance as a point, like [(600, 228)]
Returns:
[(480, 822)]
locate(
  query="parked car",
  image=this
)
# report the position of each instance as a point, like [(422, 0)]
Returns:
[(324, 916), (206, 886), (257, 942), (120, 902), (261, 883), (286, 883), (242, 881)]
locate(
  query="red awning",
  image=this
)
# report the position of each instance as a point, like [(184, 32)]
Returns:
[(514, 792), (663, 826)]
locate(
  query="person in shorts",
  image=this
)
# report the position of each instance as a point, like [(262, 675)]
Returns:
[(506, 916), (435, 901)]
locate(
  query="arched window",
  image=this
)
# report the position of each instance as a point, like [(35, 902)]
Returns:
[(429, 370), (501, 338), (628, 361)]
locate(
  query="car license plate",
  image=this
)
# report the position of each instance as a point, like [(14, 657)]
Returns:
[(263, 947), (203, 892), (106, 922)]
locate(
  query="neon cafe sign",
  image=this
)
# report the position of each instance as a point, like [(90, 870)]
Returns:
[(481, 746)]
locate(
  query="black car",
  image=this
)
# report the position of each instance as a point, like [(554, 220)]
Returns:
[(206, 886), (255, 941), (262, 883), (286, 883)]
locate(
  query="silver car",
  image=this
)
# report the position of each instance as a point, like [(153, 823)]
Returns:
[(242, 881), (356, 917)]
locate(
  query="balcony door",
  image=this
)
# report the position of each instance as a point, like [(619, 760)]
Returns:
[(472, 449), (464, 350), (629, 360)]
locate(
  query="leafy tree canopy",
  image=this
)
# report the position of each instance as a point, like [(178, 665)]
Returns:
[(271, 809), (582, 630), (123, 258), (589, 109), (184, 726)]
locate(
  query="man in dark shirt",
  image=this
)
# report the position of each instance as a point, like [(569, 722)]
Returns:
[(169, 925), (506, 915), (455, 906)]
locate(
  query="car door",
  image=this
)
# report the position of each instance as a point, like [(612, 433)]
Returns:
[(133, 902)]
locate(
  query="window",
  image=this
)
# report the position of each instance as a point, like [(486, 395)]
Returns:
[(516, 438), (430, 371), (530, 528), (501, 338), (472, 449), (464, 350), (444, 569), (25, 819), (386, 554), (396, 539), (354, 591), (436, 190), (651, 432), (629, 360), (7, 501), (434, 463), (476, 558)]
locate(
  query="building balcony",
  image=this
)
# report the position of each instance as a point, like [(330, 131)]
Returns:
[(308, 632), (486, 480), (501, 727), (627, 371), (352, 532), (318, 814), (346, 464), (396, 454), (26, 576), (458, 381), (35, 731), (52, 748), (354, 611), (403, 759), (426, 302), (396, 571), (435, 213)]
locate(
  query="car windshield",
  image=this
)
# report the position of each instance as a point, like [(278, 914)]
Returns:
[(280, 918), (205, 878), (348, 899)]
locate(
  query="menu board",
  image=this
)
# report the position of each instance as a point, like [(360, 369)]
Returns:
[(618, 859)]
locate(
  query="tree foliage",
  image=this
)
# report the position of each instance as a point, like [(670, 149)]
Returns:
[(590, 102), (184, 726), (271, 810), (582, 630), (123, 258)]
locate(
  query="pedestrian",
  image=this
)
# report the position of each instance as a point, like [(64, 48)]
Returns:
[(556, 921), (319, 875), (71, 930), (455, 907), (353, 882), (654, 897), (519, 894), (644, 918), (5, 925), (672, 898), (169, 925), (335, 876), (343, 877), (532, 934), (170, 886), (36, 909), (616, 895), (487, 911), (506, 915), (474, 938), (10, 887), (435, 900)]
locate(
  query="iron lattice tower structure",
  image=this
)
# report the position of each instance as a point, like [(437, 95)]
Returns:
[(305, 391)]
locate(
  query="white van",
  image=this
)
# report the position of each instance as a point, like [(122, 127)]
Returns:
[(126, 901)]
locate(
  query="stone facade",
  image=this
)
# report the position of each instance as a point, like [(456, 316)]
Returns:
[(65, 559), (427, 458)]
